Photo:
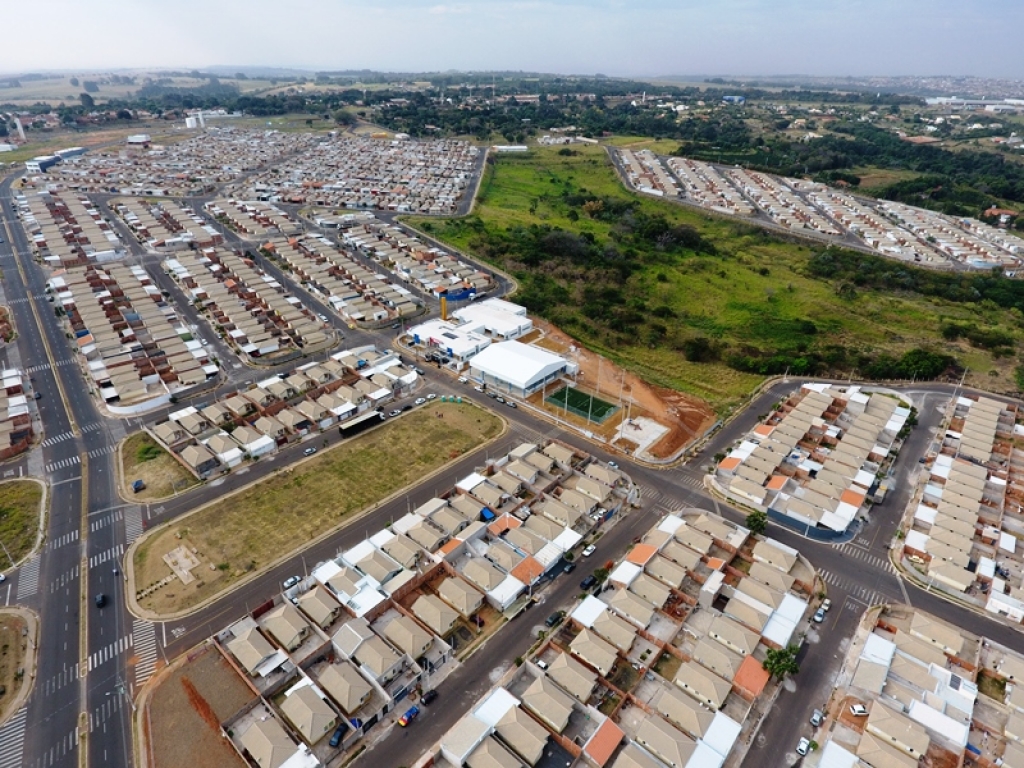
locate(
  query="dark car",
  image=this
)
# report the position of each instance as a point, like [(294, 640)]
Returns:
[(588, 582), (569, 568), (101, 600), (337, 736), (554, 618), (429, 697)]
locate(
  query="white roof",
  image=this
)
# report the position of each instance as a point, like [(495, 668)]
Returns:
[(939, 722), (469, 482), (586, 613), (625, 572), (878, 650), (836, 756), (722, 734), (506, 592), (670, 524), (704, 756), (518, 364), (567, 539), (495, 706)]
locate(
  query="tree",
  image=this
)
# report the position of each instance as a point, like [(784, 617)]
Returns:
[(757, 522), (344, 118), (87, 101), (779, 662), (74, 81)]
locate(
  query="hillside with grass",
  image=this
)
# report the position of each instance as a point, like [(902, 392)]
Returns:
[(711, 306)]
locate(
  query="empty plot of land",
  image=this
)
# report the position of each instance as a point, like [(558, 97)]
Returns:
[(253, 528), (142, 459), (19, 519), (186, 711), (13, 649), (582, 404)]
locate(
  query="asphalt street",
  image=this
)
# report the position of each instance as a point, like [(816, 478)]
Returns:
[(86, 680)]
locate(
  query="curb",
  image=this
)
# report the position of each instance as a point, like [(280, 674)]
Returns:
[(136, 610), (31, 659)]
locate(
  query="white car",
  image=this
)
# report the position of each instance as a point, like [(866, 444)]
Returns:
[(478, 388), (420, 400), (858, 710), (826, 605), (802, 746), (3, 578), (290, 582), (589, 550), (463, 380), (431, 396)]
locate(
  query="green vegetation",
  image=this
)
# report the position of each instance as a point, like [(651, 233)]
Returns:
[(991, 686), (163, 475), (252, 528), (19, 519), (710, 306), (583, 405), (779, 662), (757, 522)]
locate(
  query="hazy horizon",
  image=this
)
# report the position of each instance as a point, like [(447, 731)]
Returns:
[(645, 38)]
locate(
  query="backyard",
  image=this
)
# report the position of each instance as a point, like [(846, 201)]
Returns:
[(251, 529)]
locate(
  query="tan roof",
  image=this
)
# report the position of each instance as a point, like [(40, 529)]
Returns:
[(594, 650), (878, 754), (490, 754), (652, 591), (409, 636), (572, 676), (523, 734), (460, 595), (318, 604), (682, 711), (482, 573), (936, 632), (615, 630), (435, 613), (666, 571), (898, 730), (251, 649), (549, 703), (670, 744), (633, 756), (267, 743), (309, 713), (632, 607), (345, 685), (717, 657), (286, 625), (707, 687)]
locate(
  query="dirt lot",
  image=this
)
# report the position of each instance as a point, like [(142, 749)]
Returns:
[(186, 711), (251, 529), (19, 519), (13, 648), (686, 417), (143, 459)]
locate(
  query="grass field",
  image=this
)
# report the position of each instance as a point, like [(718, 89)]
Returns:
[(19, 519), (251, 529), (583, 405), (143, 459), (753, 295), (13, 650)]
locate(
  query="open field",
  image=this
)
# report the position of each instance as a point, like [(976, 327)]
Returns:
[(253, 528), (744, 294), (13, 652), (58, 88), (19, 519), (874, 178), (143, 459), (193, 700)]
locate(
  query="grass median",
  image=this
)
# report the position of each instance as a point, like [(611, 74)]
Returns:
[(143, 459), (19, 519), (249, 530)]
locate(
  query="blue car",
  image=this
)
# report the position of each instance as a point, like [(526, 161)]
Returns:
[(411, 714)]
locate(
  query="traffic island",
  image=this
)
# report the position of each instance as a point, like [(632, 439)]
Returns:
[(237, 536), (19, 630)]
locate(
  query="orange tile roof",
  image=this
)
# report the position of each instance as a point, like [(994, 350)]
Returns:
[(604, 742), (764, 430), (528, 570), (449, 547), (715, 563), (751, 676), (850, 496), (730, 463), (777, 482), (504, 523), (641, 553)]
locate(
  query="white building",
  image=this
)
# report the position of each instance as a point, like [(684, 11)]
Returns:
[(517, 368)]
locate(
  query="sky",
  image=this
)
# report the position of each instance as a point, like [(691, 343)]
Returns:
[(645, 38)]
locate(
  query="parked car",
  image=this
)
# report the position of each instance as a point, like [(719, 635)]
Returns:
[(37, 396), (138, 485), (420, 400), (819, 616), (337, 736), (431, 396), (817, 718), (406, 407), (478, 388), (309, 451), (395, 413), (802, 746), (101, 600), (826, 604), (463, 380), (410, 714), (500, 399), (554, 618), (323, 319), (3, 578), (429, 697), (511, 404), (591, 549), (613, 465), (419, 371), (291, 581), (542, 664), (588, 582), (569, 568), (858, 710)]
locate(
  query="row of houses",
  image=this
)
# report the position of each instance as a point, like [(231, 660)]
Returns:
[(254, 220), (353, 291), (67, 230), (777, 199), (962, 523), (656, 674), (916, 680), (16, 432), (186, 168), (816, 459), (251, 309), (166, 225), (134, 345), (646, 173), (345, 391), (359, 172), (701, 183)]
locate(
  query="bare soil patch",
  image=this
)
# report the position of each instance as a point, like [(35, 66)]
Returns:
[(143, 459), (186, 711), (13, 652)]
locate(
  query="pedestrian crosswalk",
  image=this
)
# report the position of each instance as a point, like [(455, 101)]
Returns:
[(57, 439), (132, 523), (108, 519), (12, 740), (109, 652), (103, 557), (46, 366), (692, 481), (876, 561), (28, 579), (53, 466), (144, 634), (106, 450), (64, 579), (93, 427), (861, 593), (60, 541), (67, 676)]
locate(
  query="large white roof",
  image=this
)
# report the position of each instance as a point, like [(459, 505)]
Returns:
[(521, 365)]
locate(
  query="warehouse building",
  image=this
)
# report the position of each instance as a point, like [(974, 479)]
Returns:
[(517, 368)]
